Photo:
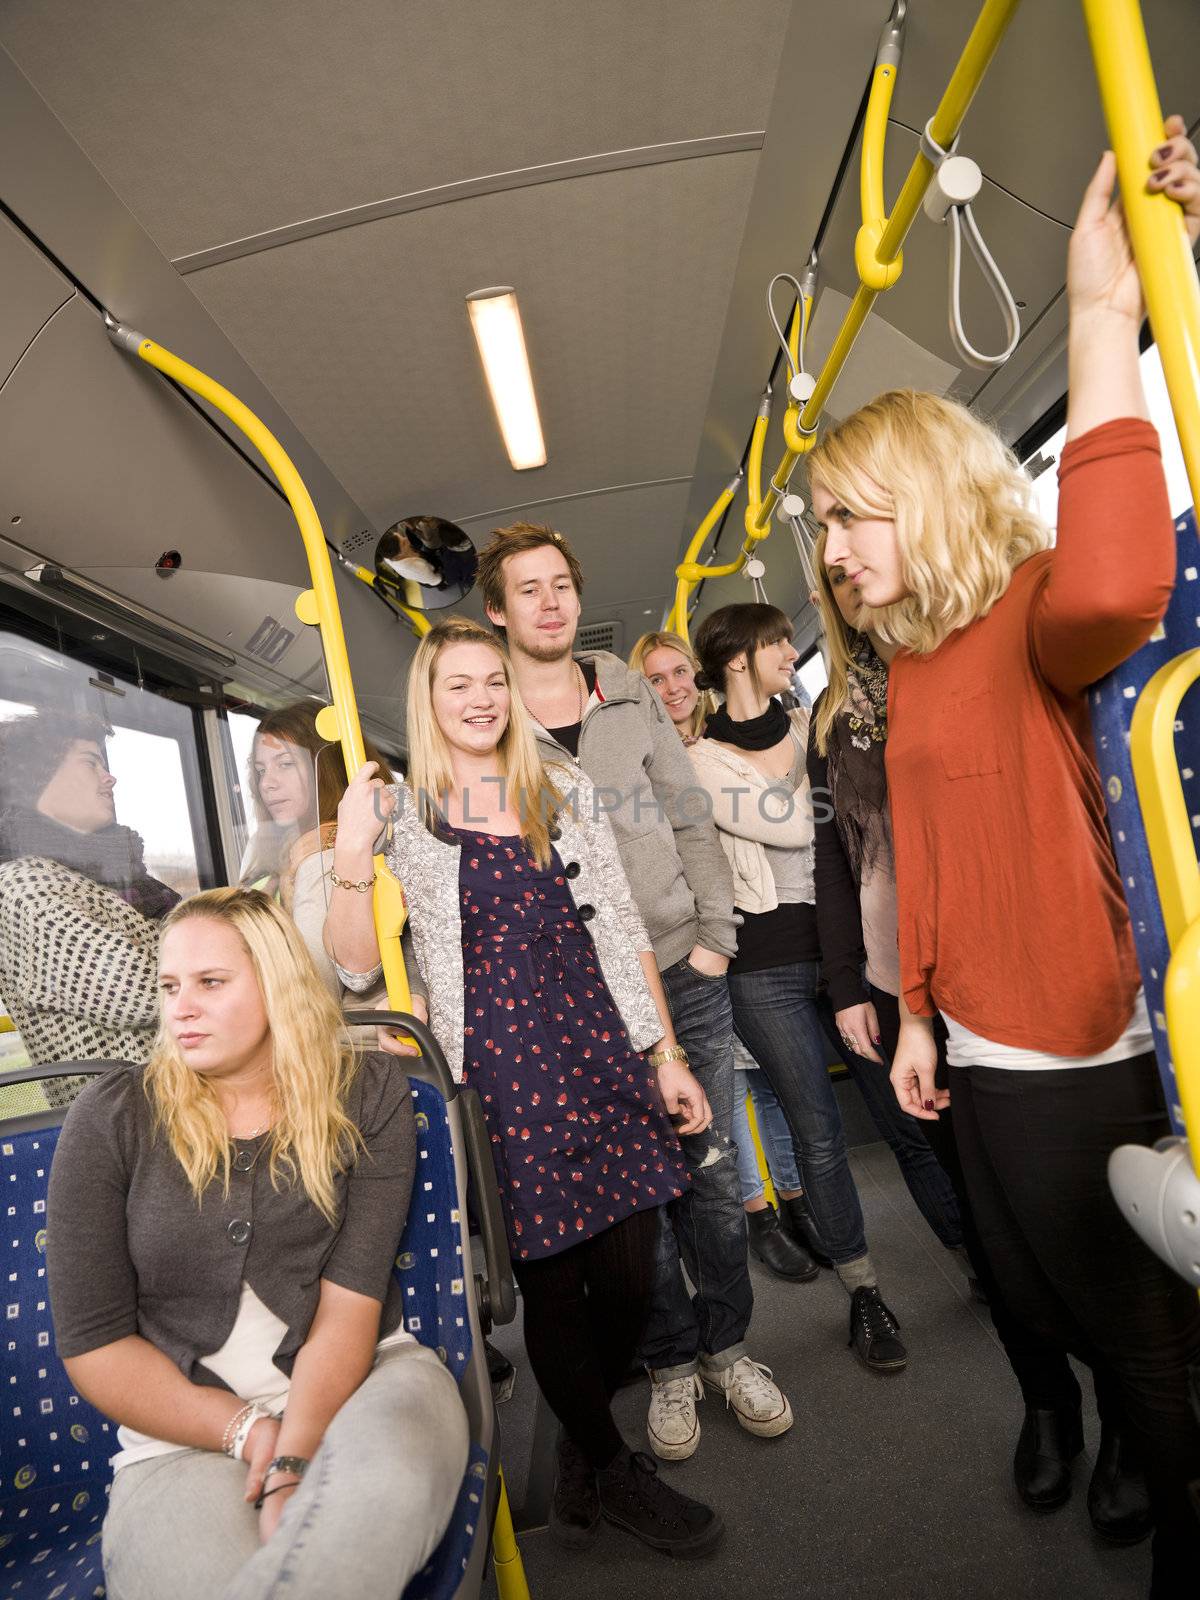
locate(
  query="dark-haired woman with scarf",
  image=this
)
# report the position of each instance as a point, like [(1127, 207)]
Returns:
[(751, 764), (858, 922), (79, 913)]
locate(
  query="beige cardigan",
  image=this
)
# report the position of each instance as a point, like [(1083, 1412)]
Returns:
[(751, 811)]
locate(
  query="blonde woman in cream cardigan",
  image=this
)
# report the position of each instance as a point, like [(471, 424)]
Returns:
[(751, 765)]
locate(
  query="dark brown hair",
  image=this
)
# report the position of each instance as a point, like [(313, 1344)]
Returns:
[(732, 631), (514, 541), (297, 725), (33, 748)]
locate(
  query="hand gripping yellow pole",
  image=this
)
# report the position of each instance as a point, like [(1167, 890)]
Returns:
[(318, 607), (1156, 227)]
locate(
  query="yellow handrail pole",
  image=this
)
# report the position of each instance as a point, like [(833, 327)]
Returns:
[(879, 263), (1160, 793), (318, 606), (1176, 873), (870, 177), (1156, 226), (1181, 999), (758, 439), (678, 620)]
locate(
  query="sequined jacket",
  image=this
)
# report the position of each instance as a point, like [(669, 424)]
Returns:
[(427, 865)]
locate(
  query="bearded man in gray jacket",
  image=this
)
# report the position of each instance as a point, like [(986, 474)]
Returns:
[(593, 712)]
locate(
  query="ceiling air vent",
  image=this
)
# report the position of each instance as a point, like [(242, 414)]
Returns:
[(353, 543), (599, 636)]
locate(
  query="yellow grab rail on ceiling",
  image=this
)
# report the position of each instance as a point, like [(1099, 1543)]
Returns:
[(879, 262), (1156, 227), (317, 607), (421, 623)]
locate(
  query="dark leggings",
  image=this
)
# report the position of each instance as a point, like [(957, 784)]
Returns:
[(1034, 1148), (585, 1309), (1039, 1366)]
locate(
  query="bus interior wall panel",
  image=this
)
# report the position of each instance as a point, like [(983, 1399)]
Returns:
[(54, 191), (33, 292)]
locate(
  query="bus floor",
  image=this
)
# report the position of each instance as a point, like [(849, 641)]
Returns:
[(885, 1488)]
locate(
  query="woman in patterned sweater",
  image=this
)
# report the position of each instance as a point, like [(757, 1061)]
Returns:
[(79, 914)]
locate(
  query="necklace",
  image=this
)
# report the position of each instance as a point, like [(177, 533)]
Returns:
[(583, 697)]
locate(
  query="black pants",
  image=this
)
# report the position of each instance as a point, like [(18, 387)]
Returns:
[(1039, 1365), (585, 1309), (1034, 1148)]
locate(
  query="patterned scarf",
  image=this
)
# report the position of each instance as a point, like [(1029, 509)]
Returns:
[(111, 856), (857, 776)]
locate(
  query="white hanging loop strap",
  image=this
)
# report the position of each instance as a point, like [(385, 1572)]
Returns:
[(957, 182), (755, 570), (791, 511), (800, 383)]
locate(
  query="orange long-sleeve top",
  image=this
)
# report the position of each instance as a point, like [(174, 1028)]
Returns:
[(1012, 918)]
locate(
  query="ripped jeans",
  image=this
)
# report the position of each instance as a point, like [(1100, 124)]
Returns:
[(705, 1227)]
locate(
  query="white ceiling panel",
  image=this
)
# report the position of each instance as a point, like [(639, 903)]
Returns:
[(364, 338), (215, 120)]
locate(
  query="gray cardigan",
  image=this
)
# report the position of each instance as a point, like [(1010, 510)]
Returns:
[(428, 867), (630, 750), (129, 1251)]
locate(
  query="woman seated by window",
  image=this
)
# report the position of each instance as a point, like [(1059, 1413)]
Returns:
[(79, 913), (222, 1228)]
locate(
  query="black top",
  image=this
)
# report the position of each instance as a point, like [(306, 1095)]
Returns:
[(777, 938), (839, 918), (568, 736), (129, 1250)]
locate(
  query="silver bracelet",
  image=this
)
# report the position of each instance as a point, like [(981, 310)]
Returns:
[(254, 1413)]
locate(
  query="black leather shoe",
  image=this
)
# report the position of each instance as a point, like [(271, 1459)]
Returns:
[(1049, 1442), (875, 1333), (777, 1250), (802, 1226), (575, 1508), (1118, 1500)]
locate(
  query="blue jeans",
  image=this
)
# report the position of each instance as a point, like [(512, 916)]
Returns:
[(706, 1227), (775, 1014), (773, 1132), (919, 1167)]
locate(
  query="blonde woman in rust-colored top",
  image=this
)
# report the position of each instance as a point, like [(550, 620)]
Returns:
[(1012, 920)]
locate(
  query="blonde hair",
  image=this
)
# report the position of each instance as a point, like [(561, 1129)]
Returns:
[(960, 502), (706, 704), (312, 1061), (430, 772), (838, 661)]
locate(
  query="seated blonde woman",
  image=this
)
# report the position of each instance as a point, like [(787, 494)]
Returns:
[(222, 1228)]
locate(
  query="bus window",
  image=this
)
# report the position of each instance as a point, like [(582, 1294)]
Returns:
[(1044, 461)]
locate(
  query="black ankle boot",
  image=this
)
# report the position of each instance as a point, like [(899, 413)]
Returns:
[(575, 1508), (634, 1497), (777, 1250), (802, 1226), (1049, 1442), (1118, 1500)]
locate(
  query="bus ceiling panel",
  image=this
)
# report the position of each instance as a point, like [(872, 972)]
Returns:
[(33, 292), (68, 209), (623, 280), (1036, 126), (105, 464), (1030, 249), (253, 117)]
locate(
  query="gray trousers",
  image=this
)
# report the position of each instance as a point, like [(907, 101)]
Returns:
[(368, 1514)]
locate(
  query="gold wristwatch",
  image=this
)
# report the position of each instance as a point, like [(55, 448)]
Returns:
[(675, 1052)]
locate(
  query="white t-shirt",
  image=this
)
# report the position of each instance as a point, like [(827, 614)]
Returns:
[(967, 1049), (244, 1363)]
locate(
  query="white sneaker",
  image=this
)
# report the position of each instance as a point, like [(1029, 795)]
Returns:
[(672, 1424), (759, 1405)]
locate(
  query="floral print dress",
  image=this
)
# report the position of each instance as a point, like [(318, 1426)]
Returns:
[(579, 1133)]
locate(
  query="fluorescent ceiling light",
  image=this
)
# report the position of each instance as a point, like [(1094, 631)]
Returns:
[(496, 321)]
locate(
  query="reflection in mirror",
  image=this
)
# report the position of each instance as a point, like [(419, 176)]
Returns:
[(426, 562), (295, 782)]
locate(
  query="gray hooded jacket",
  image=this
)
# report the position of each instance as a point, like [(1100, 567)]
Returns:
[(643, 779)]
